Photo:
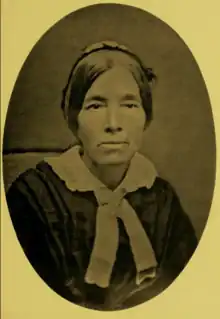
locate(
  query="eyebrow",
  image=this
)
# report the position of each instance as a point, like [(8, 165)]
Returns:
[(126, 97), (130, 97), (96, 98)]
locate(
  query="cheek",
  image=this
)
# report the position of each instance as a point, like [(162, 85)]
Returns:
[(136, 135), (89, 128), (134, 125)]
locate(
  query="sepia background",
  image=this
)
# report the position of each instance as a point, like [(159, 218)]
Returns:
[(195, 292), (180, 140)]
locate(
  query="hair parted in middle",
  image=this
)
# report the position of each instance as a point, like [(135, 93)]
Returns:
[(95, 60)]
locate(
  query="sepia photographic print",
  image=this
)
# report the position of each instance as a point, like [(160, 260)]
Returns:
[(109, 157)]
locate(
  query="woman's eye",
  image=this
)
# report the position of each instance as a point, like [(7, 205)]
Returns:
[(94, 106), (130, 105)]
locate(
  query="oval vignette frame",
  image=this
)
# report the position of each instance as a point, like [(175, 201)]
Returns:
[(168, 127)]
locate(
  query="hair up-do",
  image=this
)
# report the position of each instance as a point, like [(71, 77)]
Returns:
[(95, 60)]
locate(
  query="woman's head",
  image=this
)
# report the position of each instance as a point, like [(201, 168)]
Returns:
[(108, 99)]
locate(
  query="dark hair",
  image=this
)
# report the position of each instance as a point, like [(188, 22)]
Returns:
[(96, 60)]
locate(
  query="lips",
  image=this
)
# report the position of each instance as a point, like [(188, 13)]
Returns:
[(113, 143)]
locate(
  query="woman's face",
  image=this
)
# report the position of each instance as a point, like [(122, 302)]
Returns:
[(112, 119)]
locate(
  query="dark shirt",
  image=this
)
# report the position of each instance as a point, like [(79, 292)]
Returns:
[(56, 228)]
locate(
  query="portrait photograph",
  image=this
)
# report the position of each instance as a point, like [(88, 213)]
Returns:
[(109, 157)]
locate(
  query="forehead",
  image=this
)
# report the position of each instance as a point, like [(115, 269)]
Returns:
[(117, 81), (105, 57)]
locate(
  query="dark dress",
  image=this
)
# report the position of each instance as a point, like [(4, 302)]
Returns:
[(56, 228)]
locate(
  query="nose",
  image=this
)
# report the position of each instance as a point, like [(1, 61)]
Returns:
[(112, 122)]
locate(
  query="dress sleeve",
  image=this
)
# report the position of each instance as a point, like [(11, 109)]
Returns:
[(181, 238), (31, 229), (28, 225), (175, 238)]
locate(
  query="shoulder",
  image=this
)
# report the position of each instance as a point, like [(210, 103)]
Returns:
[(33, 184), (36, 197), (160, 194), (162, 190), (168, 200), (42, 190), (34, 177), (170, 206), (161, 184), (163, 204), (157, 204)]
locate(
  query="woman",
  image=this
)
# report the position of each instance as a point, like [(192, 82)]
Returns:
[(97, 223)]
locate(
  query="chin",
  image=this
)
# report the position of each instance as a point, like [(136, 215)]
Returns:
[(113, 159)]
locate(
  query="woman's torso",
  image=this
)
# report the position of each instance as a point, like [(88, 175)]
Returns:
[(57, 232)]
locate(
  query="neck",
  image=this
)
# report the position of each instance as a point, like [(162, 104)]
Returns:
[(110, 175)]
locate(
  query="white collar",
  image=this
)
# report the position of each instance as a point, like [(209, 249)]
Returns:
[(72, 170)]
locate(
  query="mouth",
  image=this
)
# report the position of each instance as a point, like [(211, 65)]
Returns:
[(113, 143)]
